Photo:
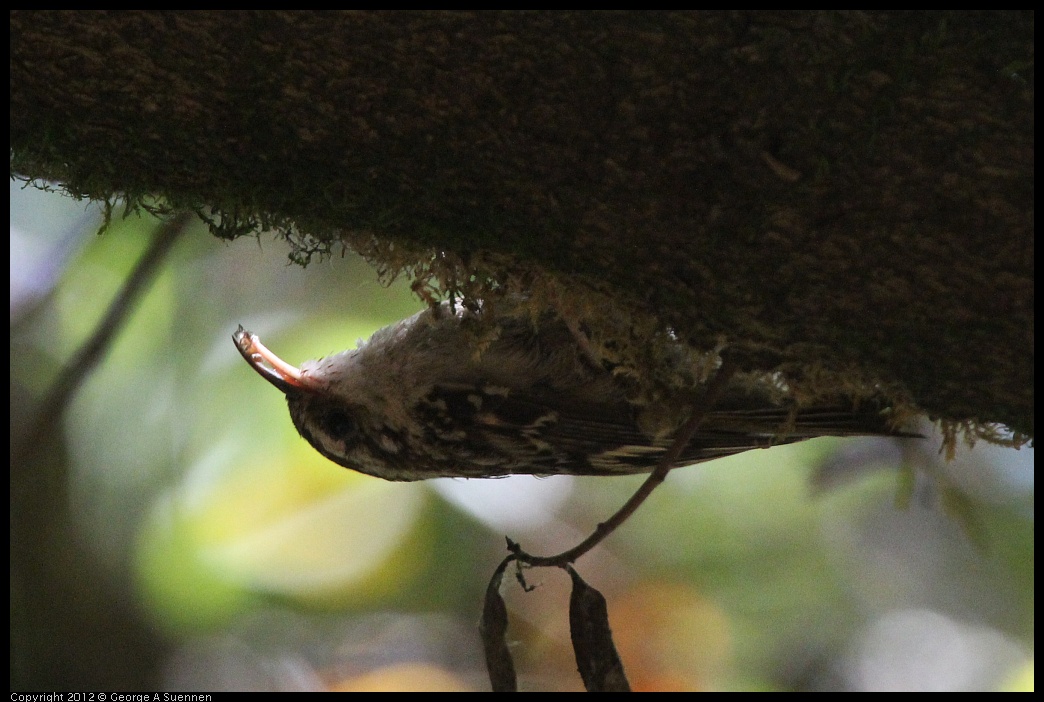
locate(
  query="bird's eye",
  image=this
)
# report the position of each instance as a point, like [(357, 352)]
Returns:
[(338, 424)]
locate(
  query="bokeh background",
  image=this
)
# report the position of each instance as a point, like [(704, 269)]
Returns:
[(182, 536)]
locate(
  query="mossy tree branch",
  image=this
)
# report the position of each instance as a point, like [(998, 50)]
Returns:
[(845, 191)]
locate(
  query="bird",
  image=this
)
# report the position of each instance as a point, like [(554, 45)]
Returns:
[(435, 396)]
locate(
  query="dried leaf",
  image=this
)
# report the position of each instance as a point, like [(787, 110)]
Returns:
[(596, 656), (493, 628)]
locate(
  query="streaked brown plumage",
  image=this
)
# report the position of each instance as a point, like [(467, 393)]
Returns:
[(417, 401)]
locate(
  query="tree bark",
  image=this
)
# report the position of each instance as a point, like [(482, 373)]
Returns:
[(850, 193)]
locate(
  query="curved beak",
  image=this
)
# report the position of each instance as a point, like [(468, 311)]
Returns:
[(269, 366)]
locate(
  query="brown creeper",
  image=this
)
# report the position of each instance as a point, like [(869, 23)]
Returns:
[(417, 401)]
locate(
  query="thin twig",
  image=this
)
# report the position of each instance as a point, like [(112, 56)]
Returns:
[(701, 407), (93, 350)]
